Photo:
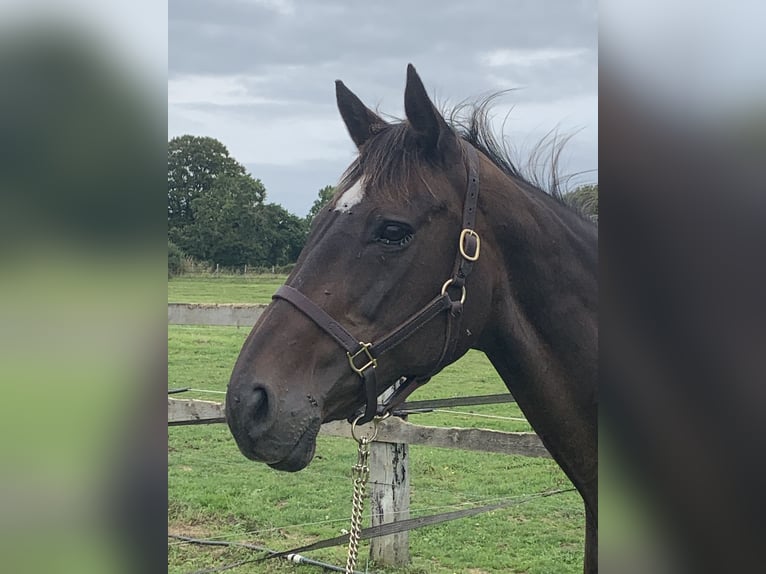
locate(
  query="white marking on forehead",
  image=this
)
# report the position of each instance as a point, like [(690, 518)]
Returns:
[(351, 196)]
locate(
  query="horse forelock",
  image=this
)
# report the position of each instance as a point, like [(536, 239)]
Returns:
[(386, 162), (393, 158)]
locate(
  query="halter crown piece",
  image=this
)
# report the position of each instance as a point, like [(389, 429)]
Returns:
[(363, 357)]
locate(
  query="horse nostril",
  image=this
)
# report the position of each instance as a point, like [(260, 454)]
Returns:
[(258, 403)]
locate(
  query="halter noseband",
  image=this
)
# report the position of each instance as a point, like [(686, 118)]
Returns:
[(363, 357)]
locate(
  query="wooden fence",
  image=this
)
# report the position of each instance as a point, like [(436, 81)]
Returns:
[(213, 314), (393, 430), (389, 453)]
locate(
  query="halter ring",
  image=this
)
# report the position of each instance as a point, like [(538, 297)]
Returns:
[(446, 285)]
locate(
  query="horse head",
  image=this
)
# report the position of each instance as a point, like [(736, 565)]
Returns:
[(389, 244)]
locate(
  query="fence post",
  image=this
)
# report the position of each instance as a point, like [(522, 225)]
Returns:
[(390, 500)]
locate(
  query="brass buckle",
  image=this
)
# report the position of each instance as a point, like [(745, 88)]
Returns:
[(371, 361), (463, 234), (446, 286)]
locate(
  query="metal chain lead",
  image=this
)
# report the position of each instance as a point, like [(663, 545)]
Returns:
[(360, 473)]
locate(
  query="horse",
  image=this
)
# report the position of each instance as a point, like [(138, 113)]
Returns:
[(433, 244)]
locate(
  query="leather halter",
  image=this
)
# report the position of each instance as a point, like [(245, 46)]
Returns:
[(363, 357)]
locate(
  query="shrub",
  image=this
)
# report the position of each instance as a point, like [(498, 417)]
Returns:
[(176, 260), (585, 200)]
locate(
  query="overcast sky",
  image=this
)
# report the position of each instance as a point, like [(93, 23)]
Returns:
[(259, 76)]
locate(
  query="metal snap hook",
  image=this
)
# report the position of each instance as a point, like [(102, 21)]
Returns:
[(365, 439)]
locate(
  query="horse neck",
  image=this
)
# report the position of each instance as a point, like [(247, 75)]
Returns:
[(543, 337)]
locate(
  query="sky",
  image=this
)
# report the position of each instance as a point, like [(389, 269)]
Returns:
[(259, 76)]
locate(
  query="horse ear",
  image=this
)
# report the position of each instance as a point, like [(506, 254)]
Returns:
[(359, 119), (424, 118)]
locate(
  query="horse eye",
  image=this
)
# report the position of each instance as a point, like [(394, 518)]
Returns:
[(394, 234)]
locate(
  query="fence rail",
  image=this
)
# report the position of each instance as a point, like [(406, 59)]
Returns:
[(233, 315), (392, 430)]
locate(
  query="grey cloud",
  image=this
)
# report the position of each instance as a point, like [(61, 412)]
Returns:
[(237, 37), (289, 54)]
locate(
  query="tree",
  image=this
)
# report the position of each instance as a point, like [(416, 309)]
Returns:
[(226, 226), (194, 165), (585, 198), (210, 195), (324, 196), (216, 209), (282, 234), (234, 228)]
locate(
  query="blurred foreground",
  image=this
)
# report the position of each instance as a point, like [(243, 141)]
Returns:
[(82, 335), (682, 112)]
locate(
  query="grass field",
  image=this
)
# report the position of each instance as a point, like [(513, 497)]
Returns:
[(223, 288), (213, 491)]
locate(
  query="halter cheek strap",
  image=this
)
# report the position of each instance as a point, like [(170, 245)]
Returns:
[(363, 357)]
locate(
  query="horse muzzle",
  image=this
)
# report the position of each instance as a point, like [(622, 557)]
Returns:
[(266, 431)]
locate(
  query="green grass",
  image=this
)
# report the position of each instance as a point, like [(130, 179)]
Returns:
[(214, 491), (223, 288)]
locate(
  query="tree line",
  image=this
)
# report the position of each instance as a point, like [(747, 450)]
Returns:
[(218, 214)]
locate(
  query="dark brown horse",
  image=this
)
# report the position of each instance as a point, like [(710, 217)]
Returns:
[(407, 259)]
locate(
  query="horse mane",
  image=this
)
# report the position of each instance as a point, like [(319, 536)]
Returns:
[(472, 120), (392, 154)]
